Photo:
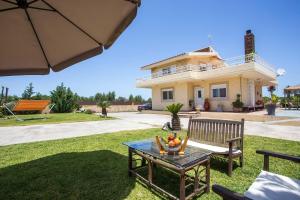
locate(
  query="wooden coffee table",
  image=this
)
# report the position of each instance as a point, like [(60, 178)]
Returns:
[(194, 159)]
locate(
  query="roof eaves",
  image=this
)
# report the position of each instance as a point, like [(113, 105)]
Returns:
[(169, 58), (196, 52)]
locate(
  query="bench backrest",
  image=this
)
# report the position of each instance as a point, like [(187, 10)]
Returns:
[(215, 132)]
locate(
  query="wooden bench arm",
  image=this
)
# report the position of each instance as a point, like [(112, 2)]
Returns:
[(233, 139), (227, 194), (267, 154)]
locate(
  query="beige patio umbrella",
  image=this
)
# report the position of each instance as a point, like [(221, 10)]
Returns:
[(36, 35)]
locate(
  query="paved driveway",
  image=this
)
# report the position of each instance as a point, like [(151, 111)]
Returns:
[(266, 129), (125, 121)]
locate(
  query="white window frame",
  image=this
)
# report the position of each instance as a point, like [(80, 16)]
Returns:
[(168, 97), (218, 87)]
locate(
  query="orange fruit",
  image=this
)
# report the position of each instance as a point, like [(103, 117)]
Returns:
[(171, 143), (170, 136), (177, 141)]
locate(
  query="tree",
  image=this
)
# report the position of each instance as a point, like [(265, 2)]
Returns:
[(12, 98), (296, 101), (39, 96), (131, 98), (100, 97), (138, 99), (28, 92), (82, 98), (76, 100), (111, 96), (121, 99), (104, 105), (149, 100), (64, 99)]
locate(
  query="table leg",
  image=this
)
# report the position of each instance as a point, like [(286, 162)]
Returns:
[(196, 180), (143, 161), (150, 171), (129, 161), (182, 185), (207, 178)]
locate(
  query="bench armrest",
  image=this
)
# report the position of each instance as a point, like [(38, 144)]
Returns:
[(227, 194), (230, 144), (233, 139), (267, 154)]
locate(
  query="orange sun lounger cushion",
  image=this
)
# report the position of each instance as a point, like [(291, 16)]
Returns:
[(31, 105)]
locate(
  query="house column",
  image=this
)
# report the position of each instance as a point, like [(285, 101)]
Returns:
[(241, 87), (251, 91)]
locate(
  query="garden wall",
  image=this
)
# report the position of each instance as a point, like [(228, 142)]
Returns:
[(113, 108)]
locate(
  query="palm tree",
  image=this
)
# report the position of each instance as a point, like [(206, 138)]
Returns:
[(174, 110), (296, 101), (104, 105)]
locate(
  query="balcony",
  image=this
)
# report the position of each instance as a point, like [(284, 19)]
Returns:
[(249, 66)]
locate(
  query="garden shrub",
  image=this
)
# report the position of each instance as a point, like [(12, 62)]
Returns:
[(88, 111)]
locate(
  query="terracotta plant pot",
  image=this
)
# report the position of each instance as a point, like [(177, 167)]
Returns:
[(206, 105)]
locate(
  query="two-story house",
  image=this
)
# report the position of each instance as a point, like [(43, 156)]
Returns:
[(192, 77)]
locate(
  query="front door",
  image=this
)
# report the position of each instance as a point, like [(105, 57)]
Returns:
[(199, 97)]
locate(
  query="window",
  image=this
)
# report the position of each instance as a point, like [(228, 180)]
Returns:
[(167, 94), (219, 91), (169, 70), (199, 94), (166, 71)]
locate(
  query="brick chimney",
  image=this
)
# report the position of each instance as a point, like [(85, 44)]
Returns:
[(249, 42)]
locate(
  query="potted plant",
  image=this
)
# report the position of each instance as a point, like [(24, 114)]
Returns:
[(104, 105), (271, 104), (206, 104), (238, 104), (174, 110), (192, 104)]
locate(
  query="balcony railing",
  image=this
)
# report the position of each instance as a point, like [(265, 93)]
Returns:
[(248, 59), (232, 62)]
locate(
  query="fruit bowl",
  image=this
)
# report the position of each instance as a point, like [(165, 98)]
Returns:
[(171, 145)]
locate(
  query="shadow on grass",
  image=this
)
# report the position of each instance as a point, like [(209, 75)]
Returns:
[(84, 175), (36, 118), (168, 181), (221, 164)]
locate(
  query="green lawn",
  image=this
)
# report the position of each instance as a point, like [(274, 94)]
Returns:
[(95, 167), (50, 119)]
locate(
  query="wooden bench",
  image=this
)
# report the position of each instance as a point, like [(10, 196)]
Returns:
[(223, 137)]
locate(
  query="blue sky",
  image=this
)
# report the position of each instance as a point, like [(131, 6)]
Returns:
[(165, 28)]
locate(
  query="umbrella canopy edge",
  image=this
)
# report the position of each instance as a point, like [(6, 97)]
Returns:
[(121, 27), (84, 56), (20, 72)]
